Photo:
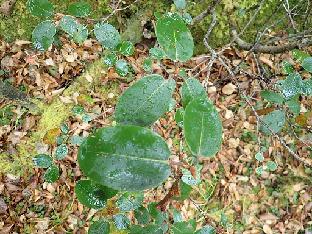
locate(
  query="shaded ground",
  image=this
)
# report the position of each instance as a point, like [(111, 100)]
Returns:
[(233, 198)]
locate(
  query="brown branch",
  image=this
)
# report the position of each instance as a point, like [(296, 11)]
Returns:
[(268, 49), (206, 12)]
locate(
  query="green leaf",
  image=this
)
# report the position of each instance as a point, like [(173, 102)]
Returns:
[(110, 59), (42, 161), (125, 158), (107, 35), (275, 121), (187, 18), (157, 53), (64, 128), (179, 115), (300, 55), (259, 170), (174, 37), (307, 87), (122, 67), (145, 101), (142, 216), (188, 178), (294, 105), (202, 127), (43, 35), (74, 29), (207, 229), (147, 65), (93, 195), (271, 166), (99, 227), (126, 48), (259, 156), (121, 221), (307, 64), (41, 8), (287, 67), (184, 227), (150, 229), (61, 152), (185, 191), (180, 4), (78, 110), (272, 96), (130, 201), (191, 89), (159, 216), (52, 174), (79, 9), (177, 216), (291, 86), (76, 140)]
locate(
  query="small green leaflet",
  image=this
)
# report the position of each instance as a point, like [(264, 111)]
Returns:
[(110, 59), (93, 195), (307, 64), (189, 179), (42, 161), (43, 35), (157, 53), (99, 227), (79, 9), (126, 48), (52, 174), (300, 55), (191, 89), (122, 67), (294, 105), (41, 8), (150, 229), (179, 115), (202, 127), (287, 67), (187, 18), (272, 96), (259, 156), (184, 227), (274, 121), (147, 65), (107, 35), (307, 87), (121, 221), (177, 216), (206, 230), (291, 86), (271, 166), (259, 170), (180, 4), (130, 201), (61, 152), (174, 37), (145, 101), (142, 216), (74, 29)]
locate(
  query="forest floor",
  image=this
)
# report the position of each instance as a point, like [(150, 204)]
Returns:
[(233, 197)]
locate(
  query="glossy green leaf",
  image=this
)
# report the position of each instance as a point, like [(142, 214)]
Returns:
[(130, 201), (41, 8), (294, 105), (147, 65), (61, 152), (42, 161), (64, 128), (43, 35), (79, 9), (307, 87), (202, 127), (307, 64), (145, 101), (74, 29), (141, 215), (174, 37), (150, 229), (126, 48), (107, 35), (259, 170), (110, 59), (179, 115), (274, 121), (291, 86), (122, 67), (272, 96), (300, 55), (157, 53), (207, 229), (184, 227), (287, 67), (180, 4), (259, 156), (121, 221), (52, 174), (99, 227), (93, 195), (125, 158), (271, 166), (191, 89)]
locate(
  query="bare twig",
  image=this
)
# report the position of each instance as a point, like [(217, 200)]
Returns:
[(206, 12)]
